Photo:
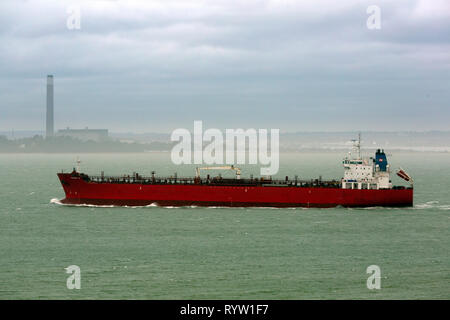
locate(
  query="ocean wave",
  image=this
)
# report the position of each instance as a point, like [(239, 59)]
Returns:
[(420, 206), (379, 208), (432, 205), (151, 205), (58, 202)]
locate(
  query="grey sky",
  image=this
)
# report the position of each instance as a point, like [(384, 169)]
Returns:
[(153, 66)]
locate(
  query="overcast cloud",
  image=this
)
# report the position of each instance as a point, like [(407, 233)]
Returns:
[(152, 66)]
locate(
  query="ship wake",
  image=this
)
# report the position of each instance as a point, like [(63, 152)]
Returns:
[(432, 205), (59, 202)]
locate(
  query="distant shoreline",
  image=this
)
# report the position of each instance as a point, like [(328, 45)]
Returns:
[(417, 142), (285, 151)]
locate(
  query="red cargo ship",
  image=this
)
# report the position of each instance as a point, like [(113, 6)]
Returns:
[(366, 183)]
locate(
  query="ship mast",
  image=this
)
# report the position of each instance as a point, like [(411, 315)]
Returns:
[(356, 147), (359, 145), (78, 164)]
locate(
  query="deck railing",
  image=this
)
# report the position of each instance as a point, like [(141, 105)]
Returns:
[(137, 179)]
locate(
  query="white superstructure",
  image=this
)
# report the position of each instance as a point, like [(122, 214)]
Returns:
[(369, 173)]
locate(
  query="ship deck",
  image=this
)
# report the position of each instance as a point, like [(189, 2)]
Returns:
[(211, 181)]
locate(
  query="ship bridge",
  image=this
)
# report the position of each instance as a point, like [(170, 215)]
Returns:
[(365, 173)]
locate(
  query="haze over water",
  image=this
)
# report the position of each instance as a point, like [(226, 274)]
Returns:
[(219, 253)]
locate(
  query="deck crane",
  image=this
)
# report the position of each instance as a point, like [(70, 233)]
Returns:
[(238, 170)]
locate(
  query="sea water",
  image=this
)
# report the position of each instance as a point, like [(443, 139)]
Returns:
[(219, 253)]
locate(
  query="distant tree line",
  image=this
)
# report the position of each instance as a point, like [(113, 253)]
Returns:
[(66, 144)]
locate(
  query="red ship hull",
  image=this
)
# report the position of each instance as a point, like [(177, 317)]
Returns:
[(80, 191)]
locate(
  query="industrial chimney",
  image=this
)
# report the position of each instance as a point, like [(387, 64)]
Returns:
[(49, 122)]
